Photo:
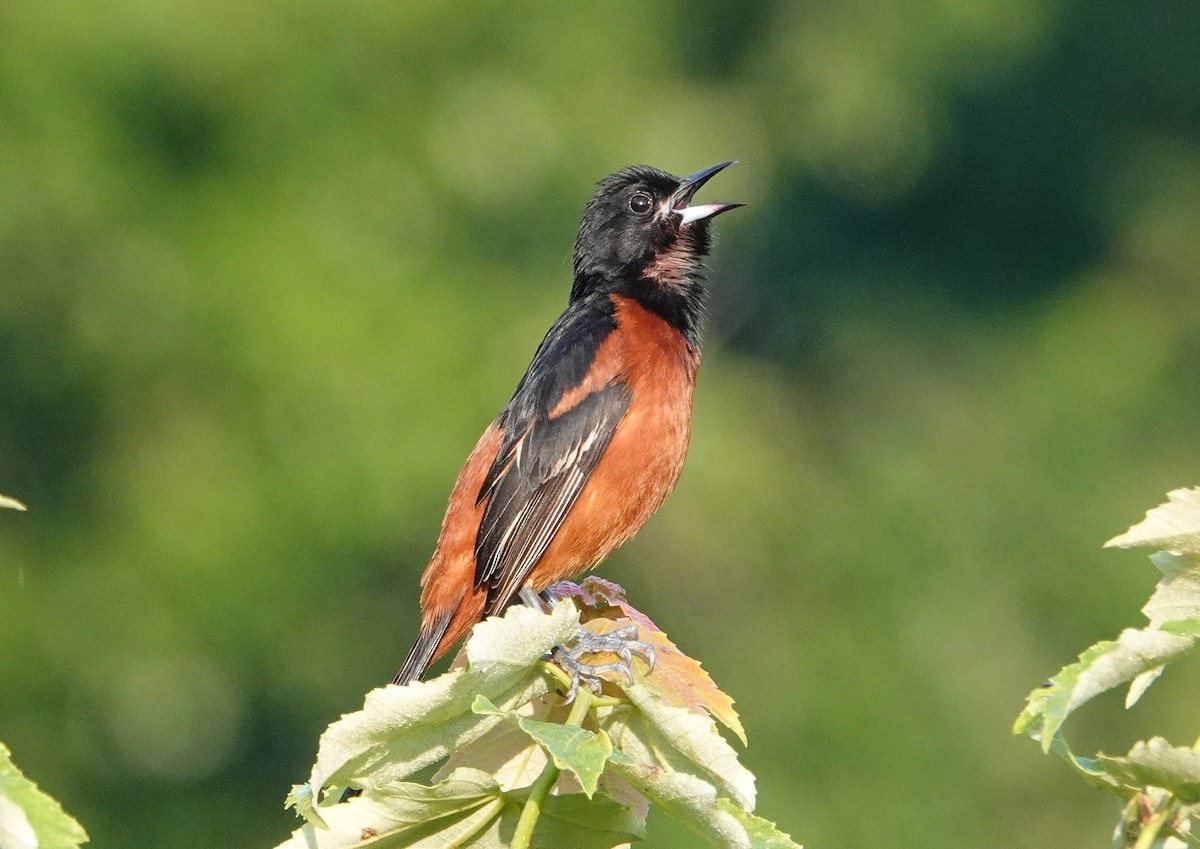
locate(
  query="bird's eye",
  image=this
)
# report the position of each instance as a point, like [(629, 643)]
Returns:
[(640, 203)]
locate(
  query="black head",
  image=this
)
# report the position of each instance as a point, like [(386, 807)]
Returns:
[(642, 237)]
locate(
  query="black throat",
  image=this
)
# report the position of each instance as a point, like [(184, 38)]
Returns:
[(681, 303)]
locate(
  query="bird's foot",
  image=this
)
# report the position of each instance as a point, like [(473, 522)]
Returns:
[(623, 642)]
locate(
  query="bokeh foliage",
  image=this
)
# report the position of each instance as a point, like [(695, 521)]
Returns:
[(267, 270)]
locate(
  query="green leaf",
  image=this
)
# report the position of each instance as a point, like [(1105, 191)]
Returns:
[(467, 809), (301, 798), (677, 739), (1156, 763), (1136, 656), (1173, 526), (1103, 666), (695, 802), (1139, 685), (573, 820), (13, 504), (451, 813), (1177, 595), (582, 752), (402, 729), (515, 760), (762, 833), (506, 752), (1092, 770), (29, 819), (646, 749)]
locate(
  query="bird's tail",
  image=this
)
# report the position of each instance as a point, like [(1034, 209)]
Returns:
[(421, 653)]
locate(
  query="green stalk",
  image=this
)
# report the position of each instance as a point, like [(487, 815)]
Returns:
[(555, 671), (540, 788), (1153, 826)]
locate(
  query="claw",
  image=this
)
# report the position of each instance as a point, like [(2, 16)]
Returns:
[(622, 642)]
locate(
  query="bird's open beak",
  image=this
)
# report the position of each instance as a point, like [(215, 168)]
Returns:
[(681, 200)]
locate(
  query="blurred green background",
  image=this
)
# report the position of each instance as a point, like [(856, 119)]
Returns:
[(267, 270)]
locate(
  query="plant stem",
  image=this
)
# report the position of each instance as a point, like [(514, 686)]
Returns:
[(554, 671), (540, 788), (1153, 826)]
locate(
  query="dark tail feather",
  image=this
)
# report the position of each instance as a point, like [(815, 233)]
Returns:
[(421, 653)]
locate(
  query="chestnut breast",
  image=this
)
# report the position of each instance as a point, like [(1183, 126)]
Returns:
[(645, 457)]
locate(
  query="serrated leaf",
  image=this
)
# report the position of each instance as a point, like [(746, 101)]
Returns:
[(572, 820), (302, 799), (402, 729), (1137, 656), (582, 752), (677, 678), (467, 810), (1091, 770), (762, 833), (450, 813), (515, 760), (1174, 525), (30, 819), (1177, 595), (1156, 763), (1103, 666), (696, 803), (506, 752), (1140, 684), (12, 504), (16, 831), (672, 738)]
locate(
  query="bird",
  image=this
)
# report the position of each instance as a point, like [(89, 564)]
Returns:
[(594, 437)]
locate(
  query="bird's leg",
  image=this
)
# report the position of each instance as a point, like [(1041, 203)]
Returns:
[(536, 601), (623, 642)]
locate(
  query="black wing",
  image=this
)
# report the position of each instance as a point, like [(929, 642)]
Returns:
[(543, 462)]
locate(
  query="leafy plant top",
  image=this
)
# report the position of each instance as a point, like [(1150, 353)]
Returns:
[(516, 766), (1161, 781)]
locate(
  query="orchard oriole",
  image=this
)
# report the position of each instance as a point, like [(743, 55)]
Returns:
[(594, 437)]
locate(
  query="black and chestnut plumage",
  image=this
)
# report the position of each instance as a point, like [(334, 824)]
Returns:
[(594, 437)]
